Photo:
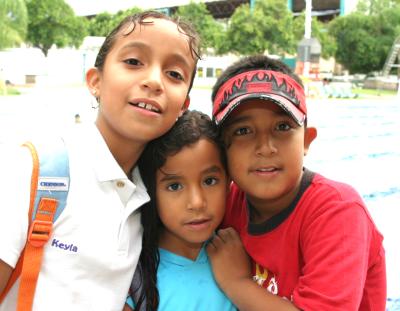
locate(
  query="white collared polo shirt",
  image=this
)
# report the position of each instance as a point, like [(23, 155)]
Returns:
[(90, 259)]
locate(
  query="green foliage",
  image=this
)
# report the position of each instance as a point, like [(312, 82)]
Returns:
[(13, 22), (245, 37), (267, 27), (277, 26), (357, 47), (54, 22), (363, 41), (319, 31), (373, 7), (102, 24), (211, 32), (124, 13)]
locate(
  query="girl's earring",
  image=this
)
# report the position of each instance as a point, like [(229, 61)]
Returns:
[(95, 105)]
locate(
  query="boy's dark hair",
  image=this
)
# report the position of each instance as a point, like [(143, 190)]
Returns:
[(252, 63), (189, 129), (139, 19)]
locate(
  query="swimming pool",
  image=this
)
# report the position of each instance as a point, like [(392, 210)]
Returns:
[(359, 143)]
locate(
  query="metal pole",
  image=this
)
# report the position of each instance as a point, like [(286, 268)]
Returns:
[(342, 7), (307, 26), (252, 5), (307, 35), (290, 5)]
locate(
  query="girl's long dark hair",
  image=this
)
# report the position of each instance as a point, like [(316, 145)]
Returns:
[(190, 128)]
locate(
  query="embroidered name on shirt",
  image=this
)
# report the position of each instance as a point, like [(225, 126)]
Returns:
[(64, 246)]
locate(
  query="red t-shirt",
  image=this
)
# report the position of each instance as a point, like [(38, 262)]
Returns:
[(323, 252)]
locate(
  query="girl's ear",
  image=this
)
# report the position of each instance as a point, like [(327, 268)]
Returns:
[(93, 81), (310, 134), (185, 106)]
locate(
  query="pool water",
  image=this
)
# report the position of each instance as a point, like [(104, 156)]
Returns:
[(359, 143)]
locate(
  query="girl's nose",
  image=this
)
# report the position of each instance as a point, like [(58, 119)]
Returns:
[(196, 200), (153, 79)]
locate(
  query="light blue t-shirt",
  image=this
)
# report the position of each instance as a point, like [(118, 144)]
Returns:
[(186, 285)]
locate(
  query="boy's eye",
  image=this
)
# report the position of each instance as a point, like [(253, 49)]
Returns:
[(176, 75), (283, 126), (241, 131), (174, 187), (210, 181), (133, 62)]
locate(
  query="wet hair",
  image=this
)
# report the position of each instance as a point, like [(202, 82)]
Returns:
[(250, 63), (189, 129), (140, 19)]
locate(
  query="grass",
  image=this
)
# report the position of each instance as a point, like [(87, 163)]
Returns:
[(9, 90), (373, 92)]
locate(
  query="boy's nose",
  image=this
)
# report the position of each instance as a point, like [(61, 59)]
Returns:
[(196, 200), (266, 146)]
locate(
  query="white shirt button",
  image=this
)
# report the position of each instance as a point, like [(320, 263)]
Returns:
[(120, 184)]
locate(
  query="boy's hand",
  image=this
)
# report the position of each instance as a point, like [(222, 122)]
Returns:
[(232, 270), (229, 260)]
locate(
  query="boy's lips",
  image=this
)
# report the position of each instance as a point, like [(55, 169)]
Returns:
[(265, 170), (146, 104)]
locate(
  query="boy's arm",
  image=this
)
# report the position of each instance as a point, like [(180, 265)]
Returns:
[(232, 271), (5, 272)]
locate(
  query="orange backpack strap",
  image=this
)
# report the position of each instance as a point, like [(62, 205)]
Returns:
[(43, 212)]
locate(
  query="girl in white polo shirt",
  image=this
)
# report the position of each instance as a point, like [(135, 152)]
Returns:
[(141, 80)]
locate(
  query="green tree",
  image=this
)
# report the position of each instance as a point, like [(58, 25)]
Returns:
[(102, 24), (124, 13), (54, 22), (13, 22), (267, 27), (373, 7), (243, 34), (363, 42), (211, 32), (319, 31)]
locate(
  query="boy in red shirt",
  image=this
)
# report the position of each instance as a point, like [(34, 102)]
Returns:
[(312, 241)]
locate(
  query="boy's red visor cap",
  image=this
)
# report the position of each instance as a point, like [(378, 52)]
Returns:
[(269, 85)]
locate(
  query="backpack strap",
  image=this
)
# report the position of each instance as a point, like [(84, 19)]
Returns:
[(49, 190)]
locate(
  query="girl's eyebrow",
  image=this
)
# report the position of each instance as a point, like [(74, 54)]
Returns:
[(208, 170), (175, 57), (168, 177), (179, 58), (212, 169), (135, 44)]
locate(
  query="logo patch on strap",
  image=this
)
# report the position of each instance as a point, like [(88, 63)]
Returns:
[(53, 183)]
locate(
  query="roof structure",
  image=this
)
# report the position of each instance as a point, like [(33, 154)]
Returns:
[(220, 9)]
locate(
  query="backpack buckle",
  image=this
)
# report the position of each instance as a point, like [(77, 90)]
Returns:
[(40, 232)]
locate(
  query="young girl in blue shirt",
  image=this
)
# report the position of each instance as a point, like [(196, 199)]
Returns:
[(184, 172)]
